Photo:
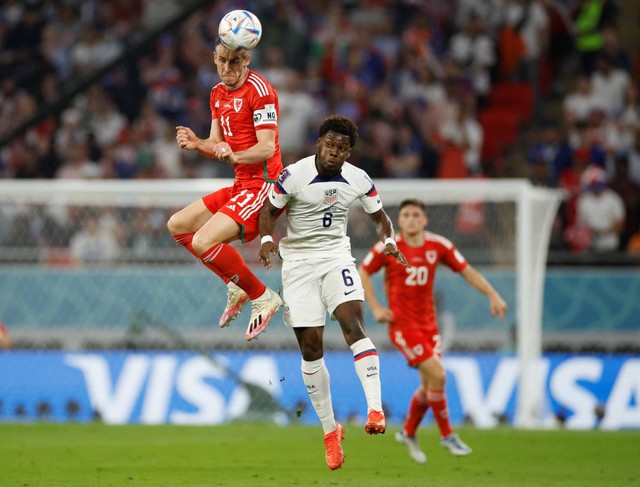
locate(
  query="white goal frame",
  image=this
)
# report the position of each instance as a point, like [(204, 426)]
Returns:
[(535, 211)]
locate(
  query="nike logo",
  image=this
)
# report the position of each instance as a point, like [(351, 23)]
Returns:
[(371, 375), (349, 292)]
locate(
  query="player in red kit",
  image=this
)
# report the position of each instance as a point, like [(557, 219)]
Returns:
[(411, 317), (244, 133)]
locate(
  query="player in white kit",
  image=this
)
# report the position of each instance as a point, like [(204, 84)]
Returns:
[(318, 271)]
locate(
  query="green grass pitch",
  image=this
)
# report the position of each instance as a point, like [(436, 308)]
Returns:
[(96, 455)]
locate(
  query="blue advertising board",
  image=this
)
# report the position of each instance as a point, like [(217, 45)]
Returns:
[(121, 387)]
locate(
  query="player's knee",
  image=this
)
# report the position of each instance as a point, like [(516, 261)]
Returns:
[(174, 225), (433, 373), (353, 332), (311, 351), (200, 243), (438, 378)]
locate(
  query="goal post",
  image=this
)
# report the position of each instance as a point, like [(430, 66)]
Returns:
[(535, 210), (502, 227)]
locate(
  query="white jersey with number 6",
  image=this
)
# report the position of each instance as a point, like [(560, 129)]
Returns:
[(318, 208)]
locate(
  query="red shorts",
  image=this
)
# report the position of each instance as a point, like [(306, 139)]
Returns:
[(416, 344), (241, 202)]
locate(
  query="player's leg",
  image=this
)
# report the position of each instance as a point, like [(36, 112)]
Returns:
[(211, 241), (304, 307), (415, 345), (317, 381), (185, 223), (183, 226), (343, 293), (244, 209), (316, 375), (433, 376)]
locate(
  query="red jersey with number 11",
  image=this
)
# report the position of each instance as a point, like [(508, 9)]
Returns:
[(409, 290), (241, 113)]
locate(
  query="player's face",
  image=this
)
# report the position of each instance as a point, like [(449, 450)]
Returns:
[(333, 150), (412, 220), (232, 66)]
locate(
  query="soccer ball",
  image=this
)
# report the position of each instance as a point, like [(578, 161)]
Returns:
[(240, 29)]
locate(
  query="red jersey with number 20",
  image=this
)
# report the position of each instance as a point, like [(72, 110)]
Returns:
[(241, 113), (410, 289)]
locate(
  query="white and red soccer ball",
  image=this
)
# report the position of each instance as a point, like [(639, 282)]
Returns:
[(240, 29)]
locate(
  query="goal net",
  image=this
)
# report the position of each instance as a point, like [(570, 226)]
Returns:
[(90, 264)]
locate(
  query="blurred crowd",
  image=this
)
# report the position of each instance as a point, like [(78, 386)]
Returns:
[(423, 79)]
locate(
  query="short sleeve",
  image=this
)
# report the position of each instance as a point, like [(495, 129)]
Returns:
[(278, 194), (370, 198)]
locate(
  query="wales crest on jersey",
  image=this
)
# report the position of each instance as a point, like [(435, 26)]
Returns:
[(330, 196)]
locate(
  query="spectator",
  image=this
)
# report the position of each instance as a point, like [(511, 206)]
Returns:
[(298, 111), (491, 11), (105, 121), (404, 159), (474, 52), (549, 155), (167, 155), (605, 134), (91, 245), (77, 165), (164, 80), (601, 211), (591, 17), (529, 19), (629, 191), (614, 50), (585, 140), (634, 159), (93, 50), (578, 104), (466, 135), (610, 84)]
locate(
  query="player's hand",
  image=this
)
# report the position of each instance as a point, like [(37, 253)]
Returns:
[(382, 315), (393, 251), (266, 249), (186, 138), (498, 306), (223, 152)]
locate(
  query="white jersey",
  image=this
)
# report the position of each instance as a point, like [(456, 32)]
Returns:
[(318, 208)]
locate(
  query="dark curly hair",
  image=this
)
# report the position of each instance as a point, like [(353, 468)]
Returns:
[(340, 125)]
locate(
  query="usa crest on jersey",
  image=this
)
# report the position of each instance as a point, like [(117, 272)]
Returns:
[(330, 196)]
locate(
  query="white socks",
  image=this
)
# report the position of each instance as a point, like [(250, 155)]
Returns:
[(367, 364), (316, 377)]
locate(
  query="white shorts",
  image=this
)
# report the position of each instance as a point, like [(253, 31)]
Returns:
[(311, 288)]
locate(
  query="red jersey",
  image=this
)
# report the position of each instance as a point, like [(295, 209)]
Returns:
[(410, 290), (240, 113)]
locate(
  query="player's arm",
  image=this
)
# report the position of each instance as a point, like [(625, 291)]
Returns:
[(497, 305), (209, 147), (259, 152), (384, 229), (380, 312), (266, 223)]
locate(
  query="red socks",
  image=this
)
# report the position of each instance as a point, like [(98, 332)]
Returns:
[(185, 240), (227, 263), (417, 409), (230, 265), (438, 403)]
